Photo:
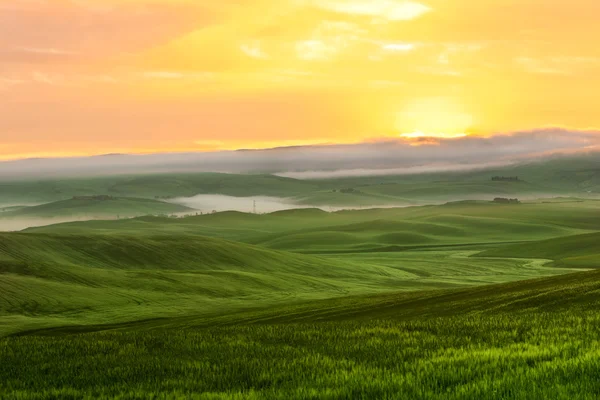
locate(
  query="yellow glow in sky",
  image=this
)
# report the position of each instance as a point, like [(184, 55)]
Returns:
[(100, 76), (434, 117)]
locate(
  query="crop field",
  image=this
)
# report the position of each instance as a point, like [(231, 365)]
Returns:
[(532, 339), (469, 299)]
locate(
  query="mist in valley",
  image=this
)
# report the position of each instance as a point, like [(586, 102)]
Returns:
[(207, 203)]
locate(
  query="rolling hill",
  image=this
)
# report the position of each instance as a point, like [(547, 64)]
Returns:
[(58, 279), (570, 176), (581, 251), (316, 231), (469, 299), (524, 340), (96, 207)]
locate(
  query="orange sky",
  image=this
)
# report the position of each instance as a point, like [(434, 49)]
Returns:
[(102, 76)]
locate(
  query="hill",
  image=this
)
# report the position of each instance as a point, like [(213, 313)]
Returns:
[(61, 279), (526, 340), (581, 251), (314, 231), (463, 300), (97, 207), (51, 279), (570, 176), (150, 186)]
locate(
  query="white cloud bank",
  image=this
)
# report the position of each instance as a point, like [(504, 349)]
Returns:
[(398, 156)]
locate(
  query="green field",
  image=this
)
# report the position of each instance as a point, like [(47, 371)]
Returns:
[(527, 340), (386, 229), (50, 280), (469, 299)]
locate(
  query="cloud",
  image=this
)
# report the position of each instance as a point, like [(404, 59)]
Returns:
[(563, 65), (385, 156), (393, 10), (311, 50), (254, 50), (398, 47), (6, 83), (329, 39), (49, 30), (177, 75)]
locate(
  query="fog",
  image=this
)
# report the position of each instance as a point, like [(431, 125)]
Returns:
[(207, 203), (374, 157), (361, 172)]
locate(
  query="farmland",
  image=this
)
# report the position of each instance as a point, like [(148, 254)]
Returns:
[(468, 299)]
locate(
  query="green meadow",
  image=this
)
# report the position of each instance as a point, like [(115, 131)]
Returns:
[(468, 299), (527, 340)]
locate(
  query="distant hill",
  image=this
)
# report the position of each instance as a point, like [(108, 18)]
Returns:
[(310, 230), (96, 206), (570, 176)]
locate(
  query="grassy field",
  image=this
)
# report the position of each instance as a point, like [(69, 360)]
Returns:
[(469, 300), (316, 231), (52, 280), (579, 251), (527, 340), (115, 271)]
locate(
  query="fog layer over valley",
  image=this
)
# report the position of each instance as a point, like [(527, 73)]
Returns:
[(207, 203)]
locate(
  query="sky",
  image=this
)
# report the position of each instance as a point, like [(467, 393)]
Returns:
[(85, 77)]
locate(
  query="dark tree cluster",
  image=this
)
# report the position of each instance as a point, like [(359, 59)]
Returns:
[(506, 201), (102, 197), (506, 178)]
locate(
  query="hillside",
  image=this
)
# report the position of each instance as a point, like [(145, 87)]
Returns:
[(581, 251), (572, 176), (374, 230), (71, 279), (49, 280), (151, 186), (465, 300), (95, 207), (527, 340)]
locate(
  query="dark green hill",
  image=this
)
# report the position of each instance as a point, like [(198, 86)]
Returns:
[(581, 251)]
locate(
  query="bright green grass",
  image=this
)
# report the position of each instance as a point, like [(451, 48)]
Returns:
[(162, 311), (526, 340), (74, 279), (107, 271), (116, 207)]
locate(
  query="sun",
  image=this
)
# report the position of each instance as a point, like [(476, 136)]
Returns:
[(434, 117)]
